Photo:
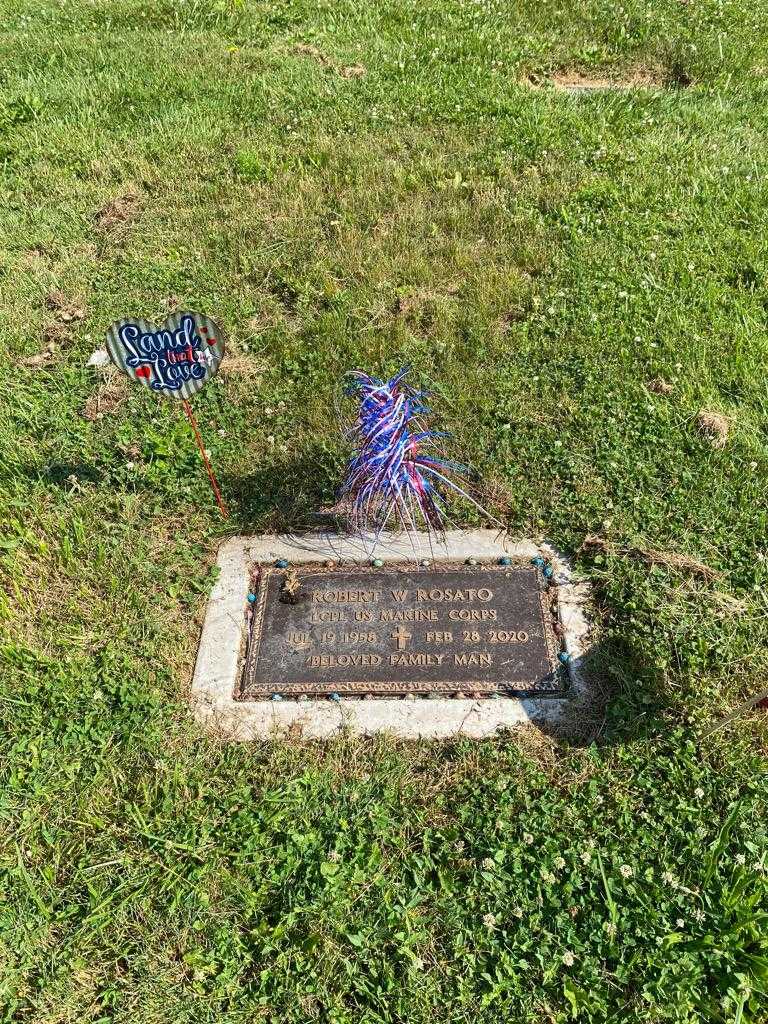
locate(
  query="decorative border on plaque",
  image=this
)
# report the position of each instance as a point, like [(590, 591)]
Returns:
[(555, 684)]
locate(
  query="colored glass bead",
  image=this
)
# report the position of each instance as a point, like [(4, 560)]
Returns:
[(548, 571), (251, 598), (505, 560), (282, 563), (564, 657), (276, 696), (377, 563), (538, 560)]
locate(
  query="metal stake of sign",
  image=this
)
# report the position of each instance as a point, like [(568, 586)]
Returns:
[(209, 469)]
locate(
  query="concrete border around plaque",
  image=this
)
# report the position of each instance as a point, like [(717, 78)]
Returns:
[(216, 692)]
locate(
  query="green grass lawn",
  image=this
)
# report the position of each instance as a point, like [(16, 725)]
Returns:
[(366, 184)]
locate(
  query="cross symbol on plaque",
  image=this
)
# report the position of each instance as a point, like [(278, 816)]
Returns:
[(401, 636)]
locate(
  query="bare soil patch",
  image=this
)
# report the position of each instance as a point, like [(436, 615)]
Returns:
[(57, 332), (38, 360), (344, 70), (67, 310), (36, 257), (107, 399), (237, 365), (118, 212), (714, 427), (514, 315), (55, 335), (308, 50), (573, 81), (413, 301)]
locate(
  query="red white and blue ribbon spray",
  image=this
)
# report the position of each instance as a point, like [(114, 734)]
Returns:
[(396, 475), (173, 360)]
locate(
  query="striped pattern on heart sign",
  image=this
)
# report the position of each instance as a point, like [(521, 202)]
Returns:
[(174, 359)]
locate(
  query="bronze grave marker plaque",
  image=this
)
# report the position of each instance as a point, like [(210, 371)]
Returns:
[(402, 629)]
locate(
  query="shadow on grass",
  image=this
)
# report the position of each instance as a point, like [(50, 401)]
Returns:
[(285, 495), (68, 474), (615, 698)]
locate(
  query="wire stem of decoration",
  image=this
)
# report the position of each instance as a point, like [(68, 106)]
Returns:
[(208, 467), (397, 475)]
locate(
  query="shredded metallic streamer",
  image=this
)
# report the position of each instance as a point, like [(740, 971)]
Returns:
[(396, 476)]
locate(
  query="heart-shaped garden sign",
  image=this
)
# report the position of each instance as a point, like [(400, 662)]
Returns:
[(174, 359)]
